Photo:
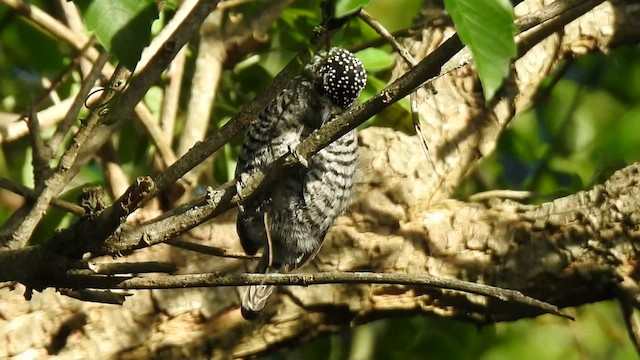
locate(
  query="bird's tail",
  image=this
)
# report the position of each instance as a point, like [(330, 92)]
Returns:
[(256, 296)]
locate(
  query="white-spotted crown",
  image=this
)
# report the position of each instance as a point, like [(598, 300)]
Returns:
[(342, 77)]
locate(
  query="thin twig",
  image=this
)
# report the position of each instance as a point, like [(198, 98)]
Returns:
[(210, 250), (500, 194), (75, 24), (415, 117), (31, 194), (117, 180), (97, 296), (17, 128), (216, 280), (381, 40), (171, 97), (385, 34), (78, 101), (204, 86), (41, 155), (50, 89), (228, 4), (125, 268), (156, 135)]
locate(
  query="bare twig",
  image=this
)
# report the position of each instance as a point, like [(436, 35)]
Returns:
[(156, 135), (385, 34), (31, 194), (210, 250), (117, 180), (16, 128), (98, 296), (228, 4), (50, 88), (172, 95), (215, 280), (501, 194), (75, 24), (41, 155), (125, 268), (207, 73), (415, 117), (78, 101)]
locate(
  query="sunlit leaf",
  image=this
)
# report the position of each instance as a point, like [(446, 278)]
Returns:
[(486, 27), (375, 59), (123, 27), (348, 7)]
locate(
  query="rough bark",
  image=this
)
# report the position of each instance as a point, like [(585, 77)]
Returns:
[(571, 251)]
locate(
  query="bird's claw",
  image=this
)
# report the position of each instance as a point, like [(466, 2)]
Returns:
[(240, 184), (301, 160)]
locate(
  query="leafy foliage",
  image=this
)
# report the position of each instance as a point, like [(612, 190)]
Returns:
[(123, 27), (348, 7), (486, 27)]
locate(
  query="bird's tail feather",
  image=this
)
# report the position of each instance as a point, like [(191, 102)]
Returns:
[(254, 300), (256, 296)]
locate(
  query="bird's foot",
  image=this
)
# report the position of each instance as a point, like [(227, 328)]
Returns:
[(293, 151)]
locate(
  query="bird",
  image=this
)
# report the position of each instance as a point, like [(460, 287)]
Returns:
[(290, 218)]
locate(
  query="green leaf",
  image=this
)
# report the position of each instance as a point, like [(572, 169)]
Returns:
[(348, 7), (123, 27), (375, 59), (486, 27)]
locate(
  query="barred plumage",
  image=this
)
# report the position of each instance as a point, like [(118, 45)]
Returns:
[(302, 207)]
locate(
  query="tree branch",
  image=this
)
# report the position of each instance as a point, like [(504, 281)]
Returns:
[(215, 280), (15, 238), (220, 200)]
